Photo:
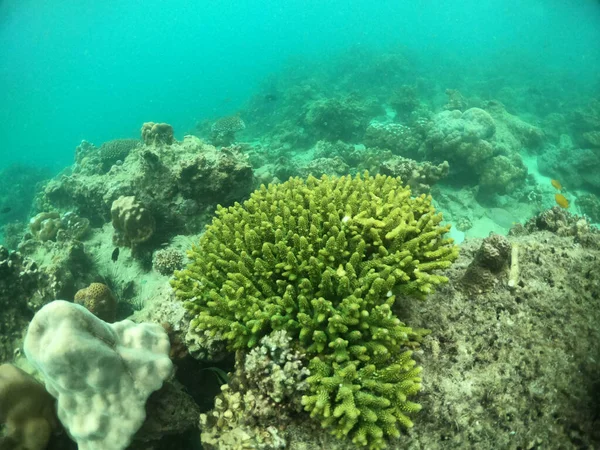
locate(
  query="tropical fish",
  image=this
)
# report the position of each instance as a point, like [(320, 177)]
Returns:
[(5, 210), (561, 200), (115, 254), (556, 184)]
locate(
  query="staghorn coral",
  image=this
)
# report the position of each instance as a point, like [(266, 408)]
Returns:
[(157, 133), (325, 260), (133, 223), (99, 300)]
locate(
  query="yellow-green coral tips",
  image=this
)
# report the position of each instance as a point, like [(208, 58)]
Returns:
[(325, 259)]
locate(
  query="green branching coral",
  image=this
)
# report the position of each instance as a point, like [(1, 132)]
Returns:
[(325, 260)]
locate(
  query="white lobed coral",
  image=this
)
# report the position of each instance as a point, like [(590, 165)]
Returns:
[(100, 373)]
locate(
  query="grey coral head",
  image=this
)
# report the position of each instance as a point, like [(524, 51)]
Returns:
[(229, 124)]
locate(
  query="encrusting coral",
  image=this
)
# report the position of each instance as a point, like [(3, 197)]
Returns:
[(325, 260)]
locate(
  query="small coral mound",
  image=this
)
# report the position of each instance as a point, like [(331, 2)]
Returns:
[(559, 221), (224, 129), (133, 223), (50, 226), (491, 261), (262, 391), (167, 261), (101, 374), (480, 148), (27, 411), (325, 260), (157, 133), (419, 176), (45, 226), (99, 300), (337, 118), (116, 150)]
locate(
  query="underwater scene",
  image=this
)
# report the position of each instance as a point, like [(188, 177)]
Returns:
[(300, 225)]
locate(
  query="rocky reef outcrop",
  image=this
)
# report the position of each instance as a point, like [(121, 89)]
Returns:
[(179, 183)]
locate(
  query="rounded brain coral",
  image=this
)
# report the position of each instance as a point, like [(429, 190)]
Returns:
[(325, 259)]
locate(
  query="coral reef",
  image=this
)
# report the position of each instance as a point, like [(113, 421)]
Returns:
[(589, 205), (101, 374), (157, 133), (577, 168), (224, 129), (64, 266), (513, 366), (98, 299), (490, 262), (337, 118), (585, 124), (50, 226), (264, 389), (418, 176), (167, 261), (402, 140), (323, 166), (404, 100), (479, 148), (133, 223), (559, 221), (115, 151), (181, 184), (18, 186), (27, 411), (90, 160), (19, 280), (456, 101), (324, 261), (45, 225)]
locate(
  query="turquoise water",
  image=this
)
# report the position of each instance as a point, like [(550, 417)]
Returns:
[(74, 70), (125, 125)]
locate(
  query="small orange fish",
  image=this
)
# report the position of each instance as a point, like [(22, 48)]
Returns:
[(556, 184), (561, 200)]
